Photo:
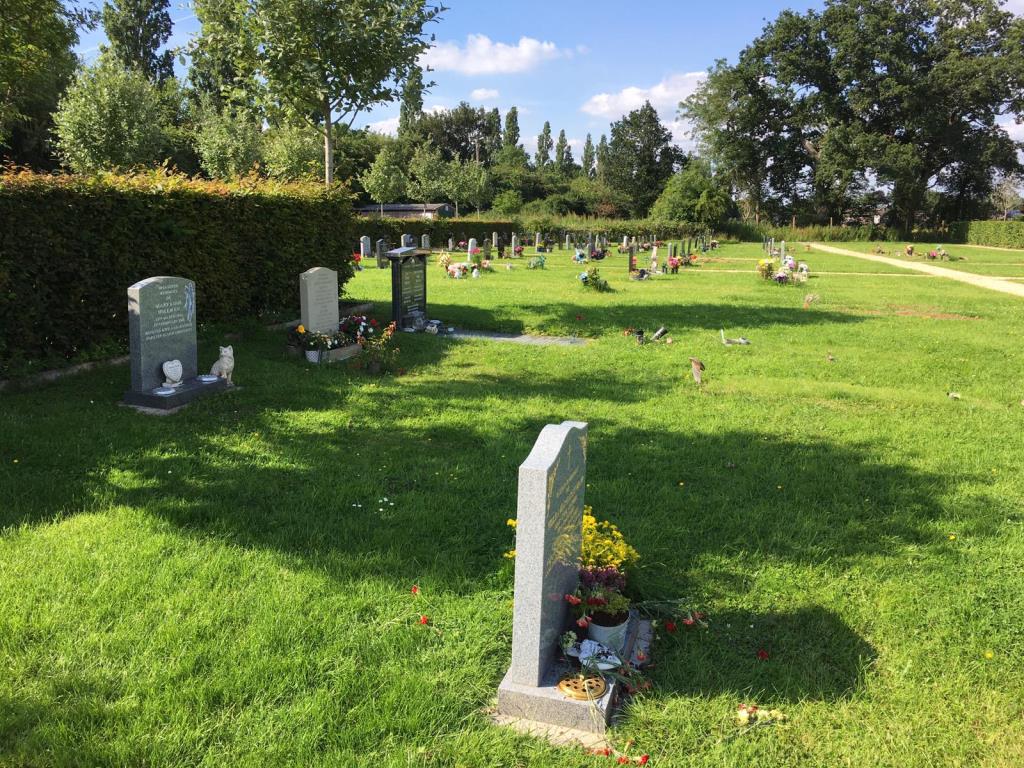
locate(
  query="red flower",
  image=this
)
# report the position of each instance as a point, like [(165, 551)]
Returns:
[(762, 654), (415, 589), (424, 619), (596, 601), (623, 761), (643, 759), (572, 600), (373, 323), (670, 626), (582, 623), (689, 621)]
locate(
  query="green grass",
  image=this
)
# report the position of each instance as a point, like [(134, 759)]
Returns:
[(979, 261), (226, 586)]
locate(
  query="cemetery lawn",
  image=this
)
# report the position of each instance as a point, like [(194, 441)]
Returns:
[(231, 585)]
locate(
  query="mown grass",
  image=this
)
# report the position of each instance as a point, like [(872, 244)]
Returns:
[(228, 586), (979, 261)]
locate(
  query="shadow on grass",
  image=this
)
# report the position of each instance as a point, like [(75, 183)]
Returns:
[(767, 658)]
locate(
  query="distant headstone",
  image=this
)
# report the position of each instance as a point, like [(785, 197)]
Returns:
[(162, 330), (365, 247), (451, 244), (625, 241), (408, 241), (515, 243), (487, 248), (538, 240), (472, 246), (494, 239), (425, 242), (318, 300), (632, 257), (408, 287), (382, 249), (549, 519), (568, 242)]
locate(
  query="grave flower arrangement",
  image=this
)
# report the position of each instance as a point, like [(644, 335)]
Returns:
[(592, 279), (444, 261), (537, 262), (379, 355), (356, 327), (599, 599), (519, 250)]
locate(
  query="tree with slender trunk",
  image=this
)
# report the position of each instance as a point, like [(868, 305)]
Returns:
[(136, 30), (544, 146), (334, 60), (588, 157), (385, 181)]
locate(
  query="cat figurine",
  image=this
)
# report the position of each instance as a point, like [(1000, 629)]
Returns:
[(225, 364)]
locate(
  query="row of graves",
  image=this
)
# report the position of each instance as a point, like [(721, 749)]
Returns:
[(162, 313)]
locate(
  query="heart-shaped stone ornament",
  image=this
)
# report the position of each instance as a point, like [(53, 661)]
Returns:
[(172, 370)]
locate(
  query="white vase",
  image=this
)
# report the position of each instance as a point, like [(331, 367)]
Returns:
[(313, 355), (613, 638)]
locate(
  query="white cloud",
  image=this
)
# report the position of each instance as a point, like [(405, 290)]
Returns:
[(388, 127), (665, 96), (1014, 6), (484, 94), (483, 56)]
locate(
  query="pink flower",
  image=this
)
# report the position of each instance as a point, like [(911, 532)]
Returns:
[(415, 589), (582, 623)]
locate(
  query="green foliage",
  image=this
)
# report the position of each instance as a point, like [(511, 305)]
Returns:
[(641, 158), (694, 194), (223, 66), (109, 118), (544, 146), (412, 101), (293, 153), (564, 162), (1002, 234), (229, 144), (466, 182), (386, 182), (427, 171), (335, 60), (36, 60), (71, 245), (510, 138), (391, 230), (464, 133), (136, 29), (507, 203), (589, 157)]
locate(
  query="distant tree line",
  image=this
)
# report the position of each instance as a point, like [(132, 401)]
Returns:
[(859, 110)]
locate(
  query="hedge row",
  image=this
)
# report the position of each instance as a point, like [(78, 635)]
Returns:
[(71, 245), (1002, 234)]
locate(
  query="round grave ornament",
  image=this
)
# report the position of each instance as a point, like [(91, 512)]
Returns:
[(172, 372), (582, 687)]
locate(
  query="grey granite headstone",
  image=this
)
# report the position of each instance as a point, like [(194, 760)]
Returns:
[(471, 247), (494, 239), (537, 240), (451, 243), (425, 242), (365, 247), (568, 242), (407, 241), (162, 328), (487, 248), (381, 253), (625, 242), (515, 243), (318, 298)]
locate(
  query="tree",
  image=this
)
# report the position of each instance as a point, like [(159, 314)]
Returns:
[(544, 145), (511, 135), (136, 30), (334, 60), (463, 133), (563, 155), (908, 92), (507, 203), (588, 157), (385, 182), (693, 195), (223, 58), (641, 158), (601, 158), (427, 171), (1006, 196), (36, 59), (293, 152), (229, 143), (412, 101), (109, 117)]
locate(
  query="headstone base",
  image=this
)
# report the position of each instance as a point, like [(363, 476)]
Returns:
[(545, 704), (189, 391)]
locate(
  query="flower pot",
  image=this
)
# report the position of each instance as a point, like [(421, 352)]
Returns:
[(313, 355), (613, 637)]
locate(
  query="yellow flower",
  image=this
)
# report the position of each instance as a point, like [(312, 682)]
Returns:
[(989, 655), (511, 523), (301, 329), (511, 554), (952, 537)]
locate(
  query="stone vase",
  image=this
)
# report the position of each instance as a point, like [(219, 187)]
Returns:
[(313, 355)]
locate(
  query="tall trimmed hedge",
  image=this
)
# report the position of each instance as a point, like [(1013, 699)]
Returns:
[(71, 245), (1002, 234)]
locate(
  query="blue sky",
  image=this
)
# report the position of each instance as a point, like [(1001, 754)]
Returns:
[(579, 63)]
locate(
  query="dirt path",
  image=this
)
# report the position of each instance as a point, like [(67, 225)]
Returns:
[(982, 281)]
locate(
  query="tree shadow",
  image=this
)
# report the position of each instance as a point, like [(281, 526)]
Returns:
[(767, 658)]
